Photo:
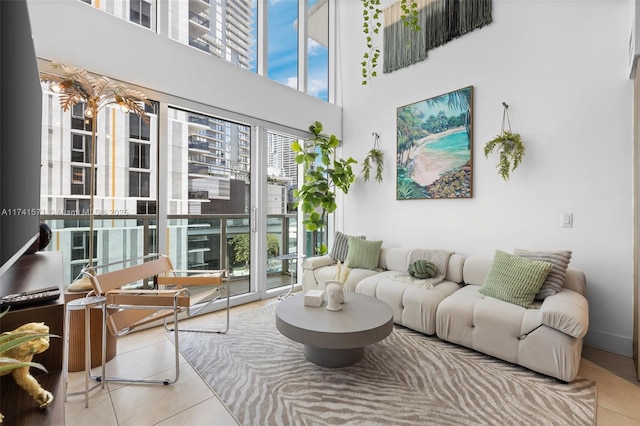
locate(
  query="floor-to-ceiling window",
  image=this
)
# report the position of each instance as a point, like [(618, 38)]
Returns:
[(209, 187), (228, 30), (125, 186), (282, 42), (318, 49), (282, 230), (190, 171)]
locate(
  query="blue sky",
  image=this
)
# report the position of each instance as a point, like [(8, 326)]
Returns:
[(282, 53)]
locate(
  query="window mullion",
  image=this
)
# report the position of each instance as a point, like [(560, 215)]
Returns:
[(303, 7), (261, 37)]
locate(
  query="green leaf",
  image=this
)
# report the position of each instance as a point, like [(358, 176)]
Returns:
[(8, 364)]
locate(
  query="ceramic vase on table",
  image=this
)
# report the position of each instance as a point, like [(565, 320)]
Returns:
[(335, 295)]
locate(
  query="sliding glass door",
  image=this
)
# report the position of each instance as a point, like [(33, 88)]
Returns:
[(209, 191), (282, 229), (208, 200)]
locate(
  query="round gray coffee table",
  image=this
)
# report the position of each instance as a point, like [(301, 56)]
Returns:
[(335, 338)]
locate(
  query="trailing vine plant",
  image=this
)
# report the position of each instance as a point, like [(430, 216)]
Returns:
[(410, 14), (375, 155), (510, 148), (371, 26)]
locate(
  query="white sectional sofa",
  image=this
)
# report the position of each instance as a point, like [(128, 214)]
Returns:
[(547, 339), (413, 306)]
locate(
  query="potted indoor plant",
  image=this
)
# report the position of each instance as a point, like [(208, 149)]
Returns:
[(324, 175), (374, 156), (510, 147)]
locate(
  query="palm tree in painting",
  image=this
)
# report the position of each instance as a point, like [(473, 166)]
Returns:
[(459, 100), (409, 130)]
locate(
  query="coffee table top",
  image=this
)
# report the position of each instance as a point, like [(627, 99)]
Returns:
[(363, 320)]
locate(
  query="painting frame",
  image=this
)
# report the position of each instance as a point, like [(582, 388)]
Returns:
[(434, 150)]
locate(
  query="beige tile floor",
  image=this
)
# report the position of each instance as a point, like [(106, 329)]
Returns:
[(190, 401)]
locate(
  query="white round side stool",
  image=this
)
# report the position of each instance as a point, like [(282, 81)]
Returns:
[(86, 304)]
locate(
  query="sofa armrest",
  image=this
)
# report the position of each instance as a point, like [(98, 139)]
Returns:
[(566, 311), (316, 262)]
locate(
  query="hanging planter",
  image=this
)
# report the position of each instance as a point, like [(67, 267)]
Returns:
[(510, 147), (375, 155)]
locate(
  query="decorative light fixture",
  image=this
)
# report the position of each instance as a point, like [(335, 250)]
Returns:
[(75, 86)]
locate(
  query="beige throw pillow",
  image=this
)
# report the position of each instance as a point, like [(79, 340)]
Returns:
[(341, 246), (555, 279)]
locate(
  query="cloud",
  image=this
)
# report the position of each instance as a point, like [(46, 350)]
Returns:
[(315, 48), (316, 86)]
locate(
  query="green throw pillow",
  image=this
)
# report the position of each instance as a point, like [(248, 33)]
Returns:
[(515, 279), (363, 253), (422, 269)]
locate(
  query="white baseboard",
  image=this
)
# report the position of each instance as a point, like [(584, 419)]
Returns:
[(609, 342)]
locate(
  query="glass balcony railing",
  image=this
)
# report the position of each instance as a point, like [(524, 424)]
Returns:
[(199, 44), (194, 242), (194, 17)]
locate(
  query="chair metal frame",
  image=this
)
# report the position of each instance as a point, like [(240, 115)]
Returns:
[(128, 309)]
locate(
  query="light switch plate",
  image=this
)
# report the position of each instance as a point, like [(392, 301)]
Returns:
[(566, 220)]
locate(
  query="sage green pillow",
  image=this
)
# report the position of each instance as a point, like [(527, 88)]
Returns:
[(363, 253), (515, 279)]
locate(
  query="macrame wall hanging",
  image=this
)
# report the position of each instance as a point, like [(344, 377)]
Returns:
[(439, 20)]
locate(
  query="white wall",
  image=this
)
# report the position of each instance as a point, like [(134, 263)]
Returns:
[(562, 67)]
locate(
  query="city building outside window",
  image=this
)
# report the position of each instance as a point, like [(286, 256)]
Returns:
[(140, 12), (78, 120), (139, 184), (76, 206), (80, 148), (146, 207), (228, 30), (81, 180), (80, 250)]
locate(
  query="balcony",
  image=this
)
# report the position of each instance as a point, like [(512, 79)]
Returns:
[(198, 44), (197, 144), (198, 6), (198, 195), (198, 25), (202, 241)]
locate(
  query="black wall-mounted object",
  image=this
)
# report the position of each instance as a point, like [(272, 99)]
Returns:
[(20, 134)]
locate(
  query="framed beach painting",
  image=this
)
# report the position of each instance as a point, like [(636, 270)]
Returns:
[(435, 146)]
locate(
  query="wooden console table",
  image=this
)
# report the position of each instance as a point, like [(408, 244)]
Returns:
[(30, 272)]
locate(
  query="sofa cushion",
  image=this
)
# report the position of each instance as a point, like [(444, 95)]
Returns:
[(363, 253), (555, 279), (566, 311), (515, 279), (413, 307), (394, 258), (508, 332), (341, 245), (328, 273)]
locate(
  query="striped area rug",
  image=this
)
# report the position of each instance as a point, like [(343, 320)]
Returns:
[(407, 379)]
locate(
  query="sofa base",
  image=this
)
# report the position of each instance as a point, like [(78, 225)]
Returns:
[(413, 307), (517, 335)]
